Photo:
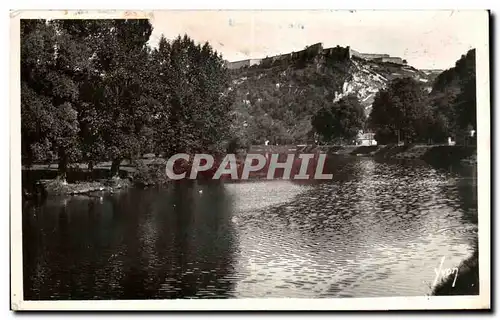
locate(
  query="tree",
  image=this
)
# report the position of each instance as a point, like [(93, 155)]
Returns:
[(465, 102), (349, 117), (124, 66), (51, 61), (194, 112), (322, 122), (340, 122), (400, 112), (453, 99), (443, 123), (114, 113)]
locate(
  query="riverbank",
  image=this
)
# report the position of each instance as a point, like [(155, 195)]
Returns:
[(429, 153), (41, 180), (54, 187)]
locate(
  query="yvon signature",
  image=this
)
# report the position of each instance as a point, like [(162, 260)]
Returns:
[(445, 273)]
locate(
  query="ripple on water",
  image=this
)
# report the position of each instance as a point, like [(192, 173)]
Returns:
[(257, 195), (363, 238), (377, 229)]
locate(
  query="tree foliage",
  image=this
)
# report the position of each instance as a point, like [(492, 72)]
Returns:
[(448, 111), (93, 90), (195, 105), (51, 62), (401, 112), (453, 99), (341, 121), (277, 102)]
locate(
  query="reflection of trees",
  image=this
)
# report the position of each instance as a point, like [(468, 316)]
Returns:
[(58, 249), (155, 243), (33, 254), (179, 250), (203, 240), (461, 189), (467, 192), (45, 253)]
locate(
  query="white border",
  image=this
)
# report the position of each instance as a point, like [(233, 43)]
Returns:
[(392, 303)]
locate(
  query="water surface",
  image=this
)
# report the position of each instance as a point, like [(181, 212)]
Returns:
[(376, 229)]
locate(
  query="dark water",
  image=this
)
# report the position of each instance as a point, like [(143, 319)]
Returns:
[(377, 229)]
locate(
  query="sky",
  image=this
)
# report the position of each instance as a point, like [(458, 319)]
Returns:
[(426, 39)]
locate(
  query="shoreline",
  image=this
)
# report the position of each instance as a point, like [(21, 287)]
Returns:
[(467, 279), (149, 172), (56, 187), (444, 154)]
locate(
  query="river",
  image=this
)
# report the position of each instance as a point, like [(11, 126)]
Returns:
[(376, 229)]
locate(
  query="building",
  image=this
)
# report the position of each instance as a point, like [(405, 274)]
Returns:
[(242, 63), (368, 56), (366, 139), (396, 60), (314, 50), (377, 57), (338, 52)]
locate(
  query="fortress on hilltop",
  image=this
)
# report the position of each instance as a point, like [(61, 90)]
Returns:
[(317, 49)]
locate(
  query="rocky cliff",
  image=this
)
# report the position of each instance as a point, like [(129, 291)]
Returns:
[(276, 98)]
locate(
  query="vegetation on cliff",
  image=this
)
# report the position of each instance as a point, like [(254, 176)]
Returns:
[(279, 101), (406, 112), (453, 98)]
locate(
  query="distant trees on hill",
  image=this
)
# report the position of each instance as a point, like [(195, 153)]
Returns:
[(278, 103), (92, 90), (285, 103), (405, 111)]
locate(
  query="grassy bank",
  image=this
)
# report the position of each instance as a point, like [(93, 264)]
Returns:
[(42, 180), (58, 187)]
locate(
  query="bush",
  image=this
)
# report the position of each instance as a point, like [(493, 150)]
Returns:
[(151, 174)]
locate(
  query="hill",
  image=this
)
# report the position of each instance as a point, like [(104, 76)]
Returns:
[(276, 97), (453, 98)]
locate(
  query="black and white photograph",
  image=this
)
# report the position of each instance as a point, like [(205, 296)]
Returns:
[(196, 159)]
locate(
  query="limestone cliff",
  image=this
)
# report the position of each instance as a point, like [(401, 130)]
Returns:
[(277, 96)]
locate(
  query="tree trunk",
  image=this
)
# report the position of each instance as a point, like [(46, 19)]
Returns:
[(62, 167), (115, 167)]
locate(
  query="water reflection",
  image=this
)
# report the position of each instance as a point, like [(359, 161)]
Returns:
[(377, 229), (138, 244)]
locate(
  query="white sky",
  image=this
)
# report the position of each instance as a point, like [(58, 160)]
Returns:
[(427, 39)]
